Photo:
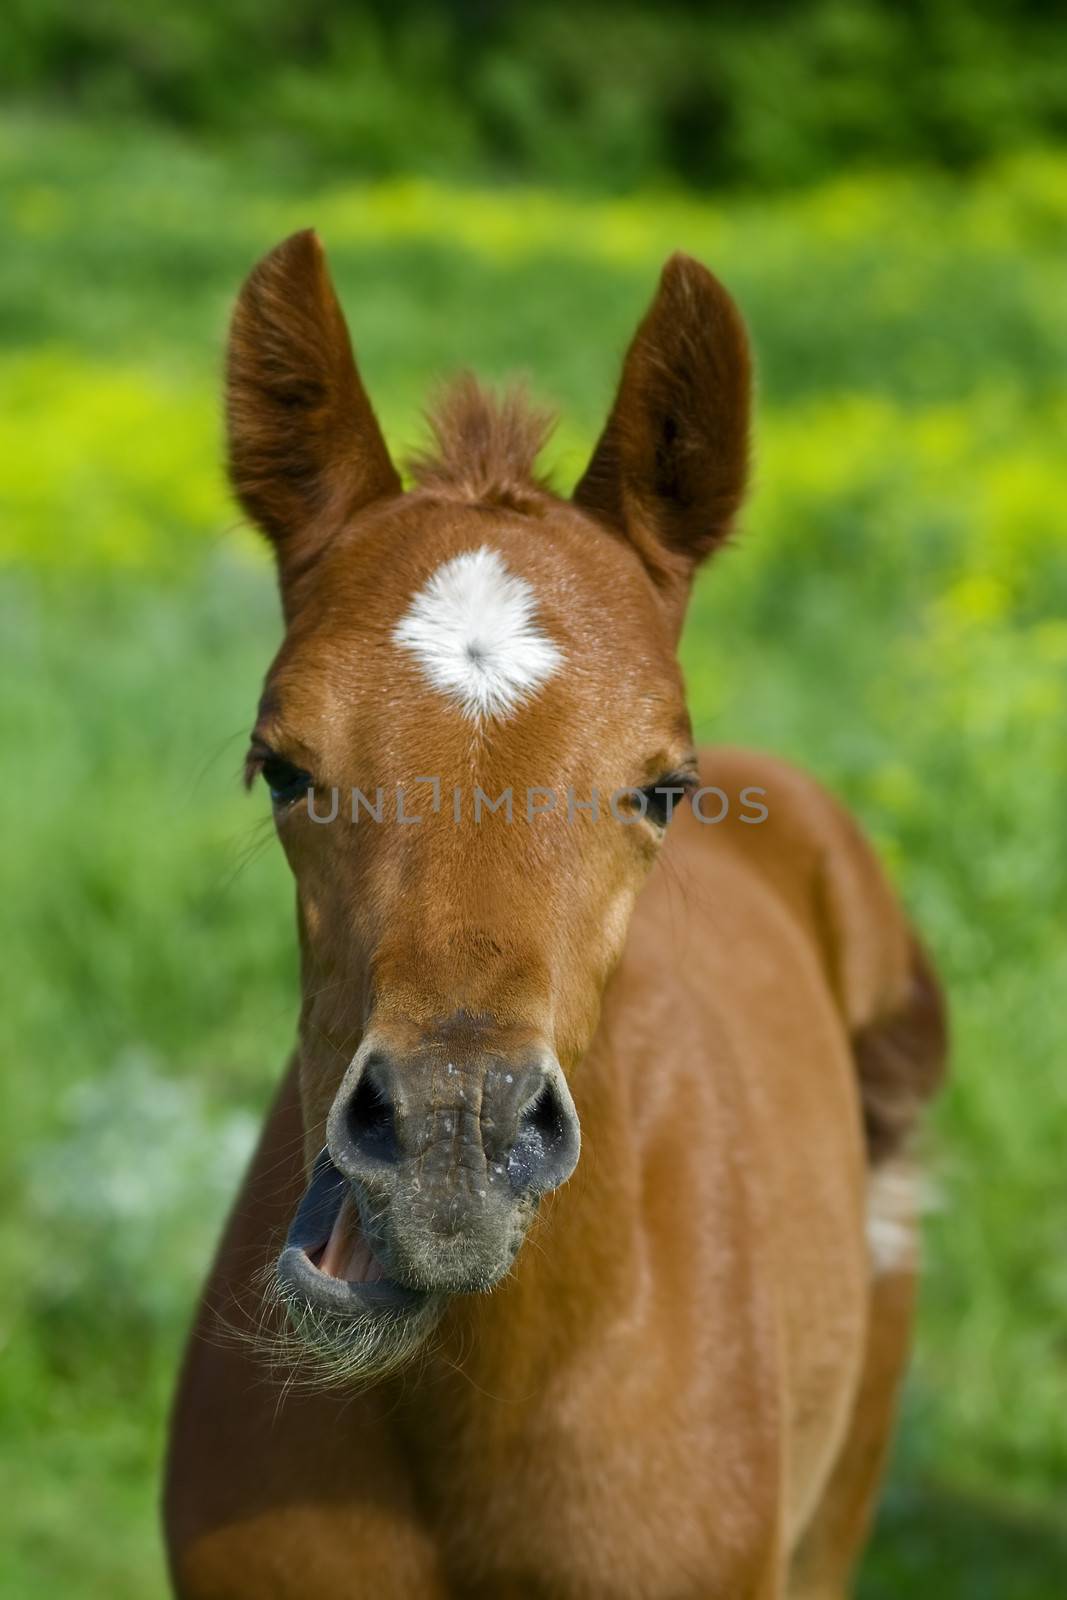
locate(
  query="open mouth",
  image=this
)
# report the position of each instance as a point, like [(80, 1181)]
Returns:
[(327, 1259)]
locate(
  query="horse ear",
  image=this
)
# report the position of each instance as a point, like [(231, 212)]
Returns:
[(305, 449), (669, 471)]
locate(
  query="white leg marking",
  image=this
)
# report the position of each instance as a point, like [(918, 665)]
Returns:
[(472, 631)]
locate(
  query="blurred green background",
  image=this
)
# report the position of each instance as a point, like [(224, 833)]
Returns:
[(884, 187)]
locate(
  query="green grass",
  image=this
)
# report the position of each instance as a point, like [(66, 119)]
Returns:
[(893, 617)]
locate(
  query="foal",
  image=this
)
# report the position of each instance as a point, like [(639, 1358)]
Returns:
[(666, 1369)]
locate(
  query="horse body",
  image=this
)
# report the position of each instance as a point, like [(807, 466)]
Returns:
[(682, 1384)]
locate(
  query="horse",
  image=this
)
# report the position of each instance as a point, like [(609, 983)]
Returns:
[(583, 1223)]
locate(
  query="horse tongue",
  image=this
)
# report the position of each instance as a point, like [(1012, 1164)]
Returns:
[(347, 1254)]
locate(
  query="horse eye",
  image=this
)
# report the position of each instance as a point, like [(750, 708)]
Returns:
[(663, 797), (285, 782)]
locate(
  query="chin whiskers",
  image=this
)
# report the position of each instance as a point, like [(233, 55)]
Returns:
[(308, 1348)]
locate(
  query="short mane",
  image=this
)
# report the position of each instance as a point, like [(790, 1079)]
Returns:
[(485, 445)]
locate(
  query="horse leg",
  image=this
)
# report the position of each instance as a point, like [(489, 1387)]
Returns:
[(829, 1549)]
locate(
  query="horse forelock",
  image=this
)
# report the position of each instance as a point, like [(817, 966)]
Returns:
[(485, 445)]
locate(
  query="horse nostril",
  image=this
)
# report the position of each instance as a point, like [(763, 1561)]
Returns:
[(545, 1115), (371, 1123), (545, 1146)]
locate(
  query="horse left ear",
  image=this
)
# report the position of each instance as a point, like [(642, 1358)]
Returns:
[(305, 448), (670, 469)]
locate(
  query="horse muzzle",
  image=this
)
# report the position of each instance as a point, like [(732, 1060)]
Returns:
[(431, 1173)]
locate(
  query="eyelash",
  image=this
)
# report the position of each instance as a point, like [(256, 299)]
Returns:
[(286, 781)]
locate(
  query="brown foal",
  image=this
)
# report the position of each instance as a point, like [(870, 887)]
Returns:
[(667, 1367)]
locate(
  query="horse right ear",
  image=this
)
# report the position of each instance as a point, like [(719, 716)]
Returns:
[(305, 448)]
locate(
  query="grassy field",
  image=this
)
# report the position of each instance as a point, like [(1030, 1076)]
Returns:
[(895, 617)]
